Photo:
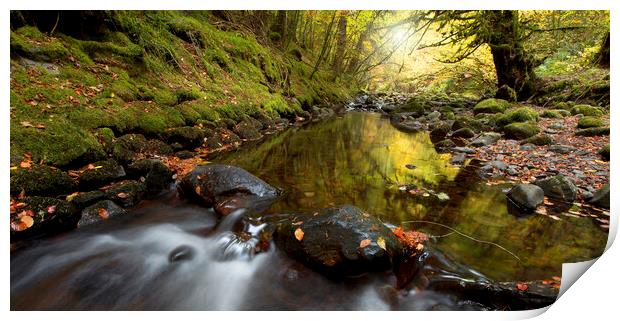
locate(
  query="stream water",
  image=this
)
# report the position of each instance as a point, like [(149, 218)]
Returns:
[(172, 255)]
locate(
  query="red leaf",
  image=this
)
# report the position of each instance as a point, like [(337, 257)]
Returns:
[(522, 286)]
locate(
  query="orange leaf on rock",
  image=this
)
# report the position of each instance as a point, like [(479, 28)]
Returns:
[(27, 220), (51, 209), (522, 286), (26, 163), (299, 234), (364, 243), (121, 195), (103, 213)]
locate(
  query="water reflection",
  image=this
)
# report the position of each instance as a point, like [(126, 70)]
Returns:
[(361, 159)]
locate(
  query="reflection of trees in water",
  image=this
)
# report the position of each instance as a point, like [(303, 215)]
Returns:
[(360, 159)]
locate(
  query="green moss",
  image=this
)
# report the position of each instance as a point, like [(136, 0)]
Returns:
[(594, 131), (42, 181), (605, 152), (523, 114), (551, 114), (586, 110), (589, 121), (491, 106), (29, 42), (187, 95), (520, 130), (539, 140)]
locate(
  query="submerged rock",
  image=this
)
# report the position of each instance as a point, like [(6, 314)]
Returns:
[(41, 180), (215, 184), (558, 187), (526, 196), (100, 211), (340, 241)]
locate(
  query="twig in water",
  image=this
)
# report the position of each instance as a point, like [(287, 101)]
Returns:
[(467, 236)]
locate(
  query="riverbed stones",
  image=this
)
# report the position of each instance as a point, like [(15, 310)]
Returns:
[(99, 174), (41, 180), (155, 175), (486, 139), (526, 196), (538, 140), (601, 197), (248, 129), (126, 193), (49, 216), (100, 211), (339, 241), (440, 130), (558, 187), (463, 133), (188, 137), (215, 183), (128, 147), (520, 130), (561, 149)]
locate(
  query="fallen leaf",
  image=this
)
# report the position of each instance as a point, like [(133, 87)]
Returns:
[(522, 286), (26, 124), (26, 163), (420, 247), (381, 243), (51, 209), (103, 213), (123, 195), (364, 243), (299, 234), (40, 126)]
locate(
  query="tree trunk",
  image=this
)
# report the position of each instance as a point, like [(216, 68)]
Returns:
[(340, 44), (603, 54), (280, 26), (325, 45), (513, 66)]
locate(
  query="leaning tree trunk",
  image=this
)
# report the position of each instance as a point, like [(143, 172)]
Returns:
[(340, 44), (603, 54), (514, 67)]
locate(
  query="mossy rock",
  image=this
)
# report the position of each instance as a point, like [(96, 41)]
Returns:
[(41, 180), (594, 131), (563, 105), (128, 147), (100, 211), (491, 106), (50, 216), (82, 200), (468, 122), (519, 115), (126, 193), (102, 173), (105, 136), (551, 114), (589, 122), (586, 110), (188, 137), (520, 130), (248, 129), (414, 106), (538, 140), (463, 133), (605, 152), (506, 93)]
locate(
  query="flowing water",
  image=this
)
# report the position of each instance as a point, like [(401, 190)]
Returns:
[(171, 255)]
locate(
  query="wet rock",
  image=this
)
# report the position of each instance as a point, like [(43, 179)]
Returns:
[(215, 183), (594, 131), (185, 154), (526, 196), (463, 133), (223, 138), (486, 139), (561, 149), (100, 211), (126, 193), (408, 126), (46, 221), (85, 199), (188, 137), (127, 147), (331, 242), (558, 187), (102, 173), (445, 144), (458, 158), (155, 175), (182, 253), (248, 129), (601, 197), (41, 180)]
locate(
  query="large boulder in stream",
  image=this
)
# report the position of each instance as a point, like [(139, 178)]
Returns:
[(558, 187), (526, 196), (340, 241), (225, 188)]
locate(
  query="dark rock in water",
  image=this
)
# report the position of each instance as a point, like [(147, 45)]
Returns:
[(441, 130), (463, 133), (188, 137), (155, 175), (100, 211), (527, 196), (182, 253), (248, 129), (408, 126), (85, 199), (215, 183), (222, 138), (101, 174), (126, 193), (444, 144), (561, 149), (127, 147), (601, 197), (486, 139), (185, 154), (50, 216), (558, 187), (41, 180), (330, 242)]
